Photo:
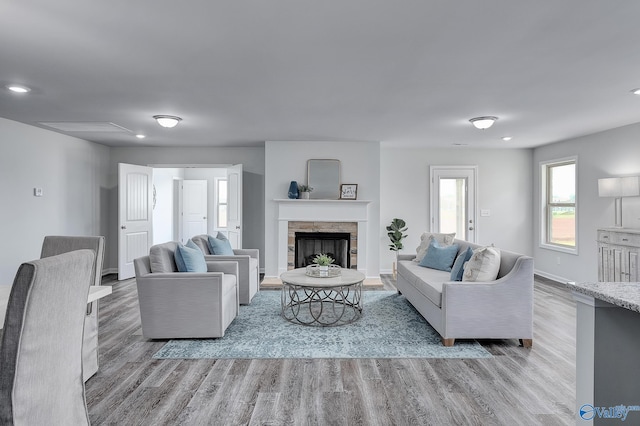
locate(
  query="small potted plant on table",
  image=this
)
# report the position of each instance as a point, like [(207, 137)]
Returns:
[(323, 261)]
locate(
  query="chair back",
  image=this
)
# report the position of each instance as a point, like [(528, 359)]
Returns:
[(202, 241), (41, 378), (57, 244)]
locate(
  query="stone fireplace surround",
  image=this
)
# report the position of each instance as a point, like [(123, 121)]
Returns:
[(325, 215)]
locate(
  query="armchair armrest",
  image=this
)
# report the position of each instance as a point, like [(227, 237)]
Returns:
[(227, 267), (254, 253)]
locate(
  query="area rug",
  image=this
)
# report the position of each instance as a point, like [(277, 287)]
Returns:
[(389, 328)]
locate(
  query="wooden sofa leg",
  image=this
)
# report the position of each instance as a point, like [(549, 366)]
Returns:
[(526, 343), (448, 342)]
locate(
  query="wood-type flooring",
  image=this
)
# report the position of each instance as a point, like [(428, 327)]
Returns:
[(517, 387)]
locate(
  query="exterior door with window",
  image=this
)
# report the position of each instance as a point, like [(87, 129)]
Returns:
[(453, 201)]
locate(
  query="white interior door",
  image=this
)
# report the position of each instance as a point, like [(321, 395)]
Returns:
[(194, 208), (135, 213), (453, 201), (234, 206)]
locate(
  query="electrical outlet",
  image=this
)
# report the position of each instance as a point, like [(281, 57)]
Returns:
[(485, 212), (37, 192)]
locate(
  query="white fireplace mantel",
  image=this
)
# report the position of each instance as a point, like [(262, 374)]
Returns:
[(290, 210)]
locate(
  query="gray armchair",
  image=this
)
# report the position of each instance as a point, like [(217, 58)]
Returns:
[(248, 265), (184, 304), (41, 378), (54, 245)]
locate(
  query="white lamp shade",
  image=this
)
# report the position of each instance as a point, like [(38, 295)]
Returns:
[(628, 186), (631, 186), (610, 187)]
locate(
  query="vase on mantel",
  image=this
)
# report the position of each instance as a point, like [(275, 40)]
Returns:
[(304, 195), (293, 190)]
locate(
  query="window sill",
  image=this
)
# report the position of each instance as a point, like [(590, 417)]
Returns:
[(568, 250)]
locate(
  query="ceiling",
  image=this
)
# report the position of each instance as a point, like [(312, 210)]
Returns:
[(406, 72)]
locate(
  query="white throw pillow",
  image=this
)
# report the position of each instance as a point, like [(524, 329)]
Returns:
[(443, 240), (484, 265)]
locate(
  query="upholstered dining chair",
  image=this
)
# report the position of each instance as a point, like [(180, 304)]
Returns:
[(58, 244), (248, 266), (41, 378), (184, 304)]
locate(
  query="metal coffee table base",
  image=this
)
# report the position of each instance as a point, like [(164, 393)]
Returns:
[(322, 306)]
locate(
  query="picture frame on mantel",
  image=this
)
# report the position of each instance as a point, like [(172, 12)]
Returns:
[(348, 191)]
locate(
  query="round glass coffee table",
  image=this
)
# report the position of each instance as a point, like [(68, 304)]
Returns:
[(322, 301)]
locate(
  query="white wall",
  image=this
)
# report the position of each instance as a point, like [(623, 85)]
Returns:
[(611, 153), (164, 210), (504, 184), (253, 177), (287, 161), (73, 175)]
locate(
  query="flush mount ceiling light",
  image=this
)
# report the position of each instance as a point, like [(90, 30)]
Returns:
[(168, 121), (140, 136), (16, 88), (483, 123), (506, 138), (636, 91)]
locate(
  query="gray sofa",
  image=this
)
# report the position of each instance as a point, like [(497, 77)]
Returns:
[(184, 304), (500, 309)]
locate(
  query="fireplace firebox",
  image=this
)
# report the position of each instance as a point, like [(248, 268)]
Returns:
[(335, 244)]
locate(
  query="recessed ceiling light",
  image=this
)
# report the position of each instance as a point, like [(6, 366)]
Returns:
[(483, 123), (636, 91), (506, 138), (140, 136), (168, 121), (16, 88)]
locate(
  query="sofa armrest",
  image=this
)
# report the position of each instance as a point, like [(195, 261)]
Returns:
[(500, 308), (406, 256)]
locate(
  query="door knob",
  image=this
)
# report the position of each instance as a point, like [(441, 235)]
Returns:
[(471, 228), (237, 227), (204, 217), (123, 227)]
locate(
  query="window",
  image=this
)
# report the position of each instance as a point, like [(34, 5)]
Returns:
[(558, 183), (221, 203)]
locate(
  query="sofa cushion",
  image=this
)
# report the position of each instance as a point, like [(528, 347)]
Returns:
[(484, 265), (162, 259), (438, 257), (220, 247), (426, 280), (425, 240), (458, 266), (189, 258)]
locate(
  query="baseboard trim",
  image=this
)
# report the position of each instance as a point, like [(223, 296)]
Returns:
[(109, 271)]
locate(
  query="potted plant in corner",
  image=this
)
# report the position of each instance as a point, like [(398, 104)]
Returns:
[(323, 261), (395, 231), (304, 191)]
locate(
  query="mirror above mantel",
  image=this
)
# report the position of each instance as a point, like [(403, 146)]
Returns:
[(323, 175)]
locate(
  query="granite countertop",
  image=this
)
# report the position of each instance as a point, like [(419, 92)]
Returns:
[(625, 295)]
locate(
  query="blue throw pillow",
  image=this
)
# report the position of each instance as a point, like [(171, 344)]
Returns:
[(458, 266), (439, 257), (220, 247), (189, 259)]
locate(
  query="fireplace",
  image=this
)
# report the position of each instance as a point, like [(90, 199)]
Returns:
[(332, 216), (339, 238), (334, 244)]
